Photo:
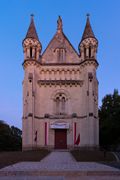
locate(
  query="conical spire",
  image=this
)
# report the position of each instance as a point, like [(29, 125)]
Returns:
[(31, 33), (88, 32), (59, 24)]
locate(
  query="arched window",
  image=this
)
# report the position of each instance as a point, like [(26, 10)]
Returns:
[(35, 53), (85, 52), (60, 104), (60, 54), (63, 105), (57, 105)]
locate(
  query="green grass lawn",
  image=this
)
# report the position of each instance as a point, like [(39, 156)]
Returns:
[(92, 156), (8, 158)]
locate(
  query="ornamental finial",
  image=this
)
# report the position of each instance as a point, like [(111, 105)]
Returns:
[(59, 24), (88, 15), (32, 16)]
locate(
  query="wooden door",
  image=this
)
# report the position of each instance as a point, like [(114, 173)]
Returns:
[(60, 138)]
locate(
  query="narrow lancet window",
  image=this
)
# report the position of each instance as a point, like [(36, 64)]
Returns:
[(63, 105), (90, 52), (60, 103), (60, 55), (85, 52), (30, 52)]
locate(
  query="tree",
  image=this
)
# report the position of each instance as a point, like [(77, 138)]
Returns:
[(10, 137), (109, 116), (16, 135), (16, 131)]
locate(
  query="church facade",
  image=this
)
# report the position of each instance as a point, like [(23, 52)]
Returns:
[(60, 91)]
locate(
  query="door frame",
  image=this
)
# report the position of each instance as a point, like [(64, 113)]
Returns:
[(64, 136)]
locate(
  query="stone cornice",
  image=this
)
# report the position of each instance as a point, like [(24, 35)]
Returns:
[(60, 82), (61, 117), (60, 64), (58, 117), (36, 63), (29, 62), (89, 62)]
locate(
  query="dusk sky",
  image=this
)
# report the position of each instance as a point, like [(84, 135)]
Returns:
[(14, 22)]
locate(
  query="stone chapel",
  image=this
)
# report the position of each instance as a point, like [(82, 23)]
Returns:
[(60, 91)]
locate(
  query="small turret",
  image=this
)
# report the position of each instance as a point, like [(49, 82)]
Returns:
[(31, 44), (89, 43)]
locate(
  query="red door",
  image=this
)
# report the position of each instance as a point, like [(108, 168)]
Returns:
[(60, 138)]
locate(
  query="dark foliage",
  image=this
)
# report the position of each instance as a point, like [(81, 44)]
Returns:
[(109, 116), (92, 156), (11, 157), (10, 137)]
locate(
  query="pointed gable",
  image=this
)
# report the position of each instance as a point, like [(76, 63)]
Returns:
[(60, 49)]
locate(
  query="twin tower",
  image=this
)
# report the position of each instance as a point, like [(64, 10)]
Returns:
[(60, 91)]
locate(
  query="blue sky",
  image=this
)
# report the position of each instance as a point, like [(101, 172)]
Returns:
[(14, 22)]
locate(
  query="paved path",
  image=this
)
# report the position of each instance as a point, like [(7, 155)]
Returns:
[(60, 178), (59, 166), (58, 157)]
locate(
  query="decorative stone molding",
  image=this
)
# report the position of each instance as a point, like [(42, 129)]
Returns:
[(62, 91), (31, 41), (30, 62), (66, 116), (60, 82), (81, 65)]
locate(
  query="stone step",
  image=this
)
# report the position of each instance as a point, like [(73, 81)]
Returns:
[(59, 173)]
